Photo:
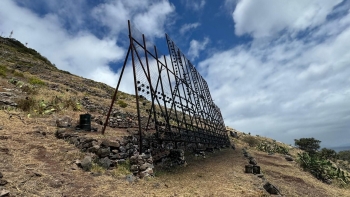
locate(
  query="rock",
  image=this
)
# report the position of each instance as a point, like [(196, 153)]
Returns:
[(59, 132), (94, 149), (253, 161), (145, 156), (122, 149), (130, 178), (4, 193), (149, 171), (248, 169), (1, 175), (3, 182), (109, 143), (145, 166), (103, 152), (134, 159), (86, 163), (271, 188), (260, 175), (256, 169), (105, 162), (289, 158), (64, 122), (134, 168), (115, 151)]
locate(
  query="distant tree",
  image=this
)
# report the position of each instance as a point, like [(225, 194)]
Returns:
[(326, 153), (310, 145), (344, 155)]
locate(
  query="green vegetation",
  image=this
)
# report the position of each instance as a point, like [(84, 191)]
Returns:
[(36, 81), (122, 104), (42, 107), (122, 169), (310, 145), (23, 49), (344, 155), (18, 74), (326, 153), (322, 169), (272, 147), (3, 70)]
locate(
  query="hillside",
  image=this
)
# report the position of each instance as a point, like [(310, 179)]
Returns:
[(33, 162)]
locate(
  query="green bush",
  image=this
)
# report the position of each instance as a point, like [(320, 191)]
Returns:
[(272, 147), (3, 70), (18, 74), (322, 169), (344, 155), (122, 104), (36, 81)]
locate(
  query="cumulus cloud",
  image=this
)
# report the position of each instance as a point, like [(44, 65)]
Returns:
[(188, 26), (196, 47), (149, 16), (60, 32), (286, 88), (266, 18)]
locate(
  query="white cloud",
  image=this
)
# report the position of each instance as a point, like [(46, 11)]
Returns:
[(187, 27), (194, 4), (196, 47), (286, 88), (267, 18), (150, 17), (61, 33)]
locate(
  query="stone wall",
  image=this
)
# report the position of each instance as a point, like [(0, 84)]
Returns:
[(108, 153)]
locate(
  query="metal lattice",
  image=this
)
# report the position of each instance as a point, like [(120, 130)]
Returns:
[(173, 100)]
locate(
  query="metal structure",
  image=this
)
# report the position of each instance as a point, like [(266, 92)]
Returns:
[(173, 100)]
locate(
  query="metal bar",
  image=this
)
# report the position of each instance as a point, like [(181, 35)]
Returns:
[(116, 91), (135, 84)]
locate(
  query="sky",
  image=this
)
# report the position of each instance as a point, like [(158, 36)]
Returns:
[(275, 68)]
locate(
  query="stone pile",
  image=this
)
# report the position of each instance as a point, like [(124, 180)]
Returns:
[(109, 152), (253, 167)]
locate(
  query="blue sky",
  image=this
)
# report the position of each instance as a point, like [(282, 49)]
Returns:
[(275, 68)]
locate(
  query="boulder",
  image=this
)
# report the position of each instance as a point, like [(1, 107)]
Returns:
[(289, 158), (105, 162), (145, 166), (103, 152), (86, 163), (109, 143), (271, 188), (4, 193), (3, 182), (64, 122)]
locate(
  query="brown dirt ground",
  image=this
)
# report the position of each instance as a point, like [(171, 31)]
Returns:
[(41, 165)]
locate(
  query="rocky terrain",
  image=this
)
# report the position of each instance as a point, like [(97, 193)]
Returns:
[(43, 154)]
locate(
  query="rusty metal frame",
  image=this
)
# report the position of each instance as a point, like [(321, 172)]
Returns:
[(175, 98)]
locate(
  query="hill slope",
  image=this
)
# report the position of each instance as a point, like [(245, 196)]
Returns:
[(33, 162)]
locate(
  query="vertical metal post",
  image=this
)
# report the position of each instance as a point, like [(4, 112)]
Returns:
[(135, 85), (116, 91)]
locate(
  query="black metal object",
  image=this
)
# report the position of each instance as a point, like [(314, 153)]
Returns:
[(85, 122), (172, 99)]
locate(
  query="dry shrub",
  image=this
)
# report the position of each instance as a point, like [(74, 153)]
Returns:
[(252, 141), (26, 104)]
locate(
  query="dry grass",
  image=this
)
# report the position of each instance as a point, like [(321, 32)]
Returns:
[(41, 165)]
